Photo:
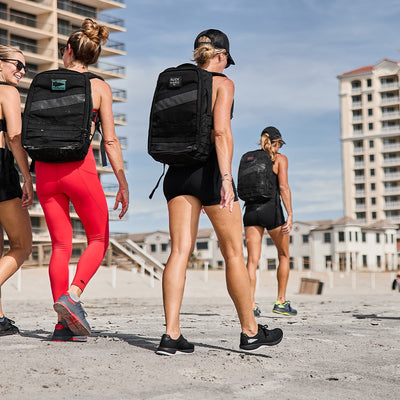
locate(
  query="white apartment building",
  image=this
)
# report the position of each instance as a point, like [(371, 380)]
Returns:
[(370, 135), (340, 245), (39, 28)]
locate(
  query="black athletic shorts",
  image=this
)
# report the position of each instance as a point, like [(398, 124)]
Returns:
[(269, 215), (10, 187), (203, 182)]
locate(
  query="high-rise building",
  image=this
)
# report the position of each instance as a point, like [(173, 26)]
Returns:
[(40, 28), (370, 135)]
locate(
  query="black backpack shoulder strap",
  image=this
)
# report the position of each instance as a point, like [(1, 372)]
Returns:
[(97, 122), (224, 76)]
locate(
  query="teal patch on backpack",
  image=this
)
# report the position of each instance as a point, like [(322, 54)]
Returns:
[(58, 84)]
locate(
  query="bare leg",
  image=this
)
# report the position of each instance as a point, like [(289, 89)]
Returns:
[(184, 212), (15, 221), (228, 227), (281, 242), (253, 242)]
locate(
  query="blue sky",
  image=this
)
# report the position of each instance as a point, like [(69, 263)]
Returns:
[(288, 54)]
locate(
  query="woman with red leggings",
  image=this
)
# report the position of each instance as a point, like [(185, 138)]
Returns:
[(59, 183)]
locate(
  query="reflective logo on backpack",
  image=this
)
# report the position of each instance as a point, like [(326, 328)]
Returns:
[(58, 84), (175, 82)]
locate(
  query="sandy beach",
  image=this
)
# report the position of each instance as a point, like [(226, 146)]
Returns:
[(342, 344)]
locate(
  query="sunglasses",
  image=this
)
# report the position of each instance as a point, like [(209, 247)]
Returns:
[(19, 65), (62, 50)]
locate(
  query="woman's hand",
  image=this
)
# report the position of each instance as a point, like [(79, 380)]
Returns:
[(287, 226), (227, 194), (123, 198), (27, 194)]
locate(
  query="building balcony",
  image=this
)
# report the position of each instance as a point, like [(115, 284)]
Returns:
[(356, 104), (391, 129), (360, 207), (391, 176), (390, 100), (391, 147), (358, 150), (392, 205), (359, 178), (389, 86), (359, 193), (33, 28), (356, 90), (359, 164), (358, 133), (392, 190), (357, 118), (390, 115), (394, 219), (35, 7), (119, 95), (391, 161)]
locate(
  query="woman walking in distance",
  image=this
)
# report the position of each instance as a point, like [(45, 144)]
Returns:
[(209, 186), (14, 217), (78, 182), (269, 215)]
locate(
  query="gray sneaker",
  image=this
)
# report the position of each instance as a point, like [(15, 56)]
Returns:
[(73, 312)]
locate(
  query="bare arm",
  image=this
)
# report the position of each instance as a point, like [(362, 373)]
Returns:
[(113, 147), (11, 108), (223, 139), (285, 191)]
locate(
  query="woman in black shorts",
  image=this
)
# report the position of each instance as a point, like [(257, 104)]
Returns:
[(210, 187), (269, 215), (14, 217)]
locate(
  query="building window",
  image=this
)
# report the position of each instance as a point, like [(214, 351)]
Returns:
[(349, 236), (202, 245), (220, 263), (328, 262), (306, 262), (373, 200), (341, 236), (370, 112), (370, 126), (363, 237), (369, 82), (269, 242), (164, 246), (356, 233), (327, 237), (291, 263), (364, 261), (153, 248), (378, 238), (305, 238), (371, 158), (271, 263), (372, 186), (290, 239), (373, 215), (369, 97), (378, 261), (372, 172), (371, 144)]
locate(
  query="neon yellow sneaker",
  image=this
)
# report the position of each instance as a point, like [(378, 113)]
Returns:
[(284, 309)]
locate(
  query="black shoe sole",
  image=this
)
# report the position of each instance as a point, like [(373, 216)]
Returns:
[(255, 346), (168, 351)]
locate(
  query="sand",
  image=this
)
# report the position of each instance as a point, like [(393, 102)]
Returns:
[(343, 344)]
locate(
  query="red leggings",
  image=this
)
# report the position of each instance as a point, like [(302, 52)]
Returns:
[(56, 185)]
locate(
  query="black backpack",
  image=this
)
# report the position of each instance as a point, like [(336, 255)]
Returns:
[(256, 179), (58, 116), (180, 117)]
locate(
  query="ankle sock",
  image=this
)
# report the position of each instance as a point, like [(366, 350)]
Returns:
[(73, 296)]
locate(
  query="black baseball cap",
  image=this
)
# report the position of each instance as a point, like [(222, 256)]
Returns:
[(273, 133), (218, 39)]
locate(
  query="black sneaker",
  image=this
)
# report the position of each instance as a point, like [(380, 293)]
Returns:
[(7, 327), (170, 347), (257, 311), (264, 337), (63, 334)]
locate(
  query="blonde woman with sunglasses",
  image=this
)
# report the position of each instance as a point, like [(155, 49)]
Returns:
[(14, 217)]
